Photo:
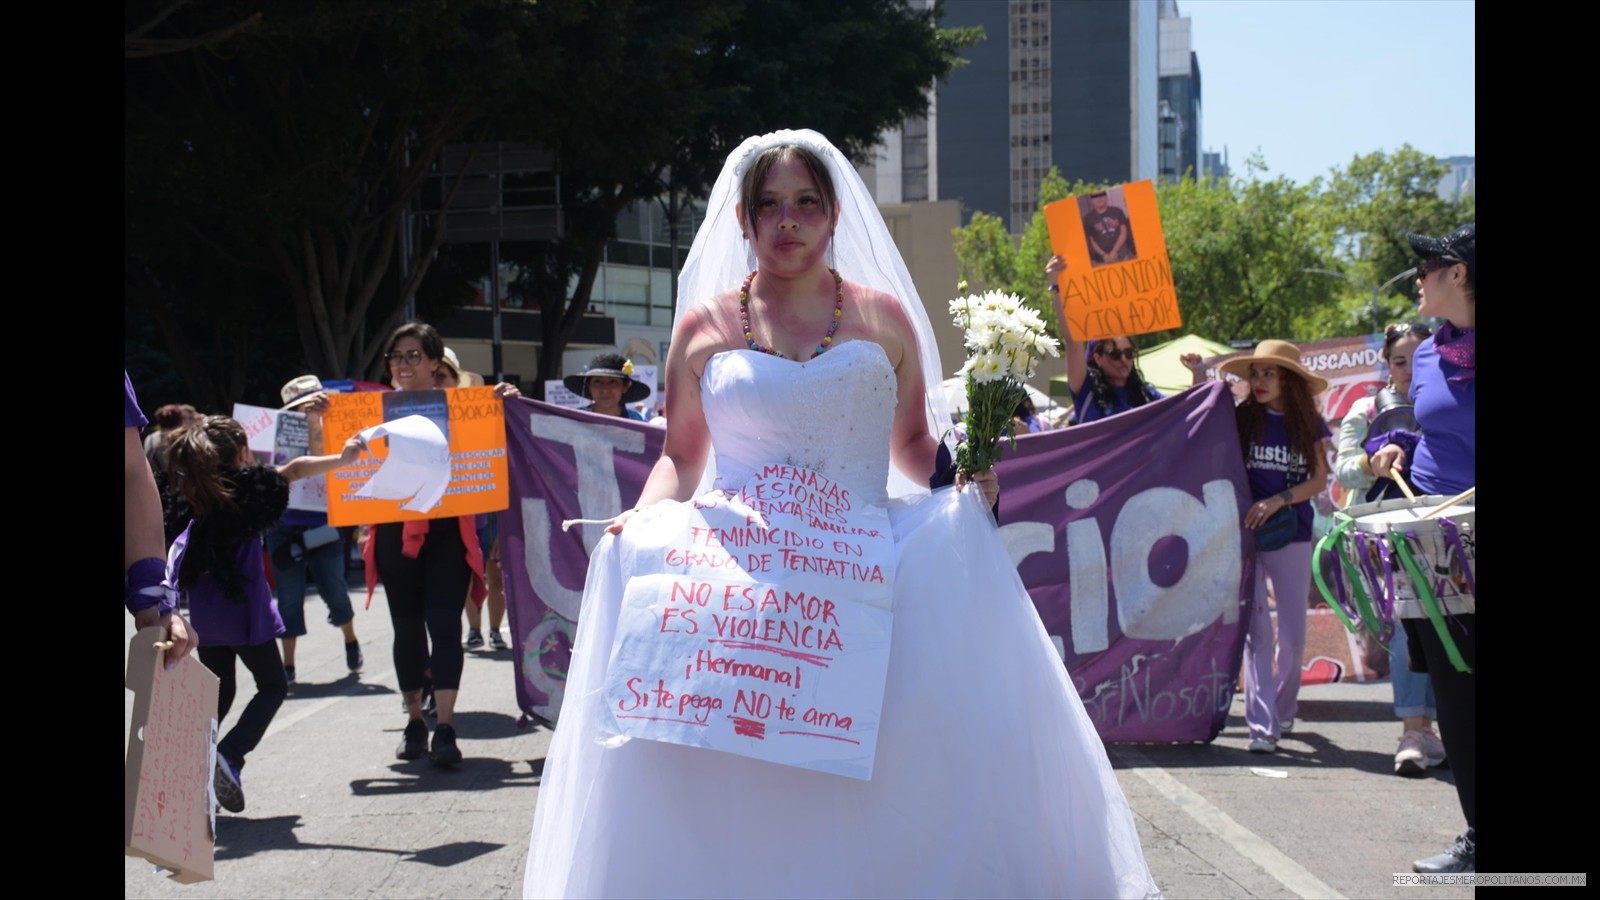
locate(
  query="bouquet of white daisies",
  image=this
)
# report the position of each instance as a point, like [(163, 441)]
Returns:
[(1004, 339)]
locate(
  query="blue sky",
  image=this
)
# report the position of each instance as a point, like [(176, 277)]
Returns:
[(1312, 83)]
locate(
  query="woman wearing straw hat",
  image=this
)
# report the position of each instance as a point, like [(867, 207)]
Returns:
[(608, 382), (1285, 445), (1442, 459), (303, 543)]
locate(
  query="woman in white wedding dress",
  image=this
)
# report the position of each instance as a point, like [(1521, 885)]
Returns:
[(988, 778)]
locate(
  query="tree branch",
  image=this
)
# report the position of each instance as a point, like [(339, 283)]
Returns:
[(137, 46)]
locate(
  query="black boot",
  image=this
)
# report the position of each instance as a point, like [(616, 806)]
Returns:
[(1462, 857)]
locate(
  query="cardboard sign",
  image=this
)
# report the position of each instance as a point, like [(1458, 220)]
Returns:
[(169, 811), (1118, 280), (278, 436), (404, 478), (758, 623)]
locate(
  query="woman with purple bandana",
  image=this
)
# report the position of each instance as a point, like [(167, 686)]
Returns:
[(1102, 374), (1441, 460)]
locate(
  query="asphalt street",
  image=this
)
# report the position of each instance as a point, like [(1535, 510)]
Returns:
[(332, 813)]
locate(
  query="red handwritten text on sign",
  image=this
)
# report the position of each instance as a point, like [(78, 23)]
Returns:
[(758, 623)]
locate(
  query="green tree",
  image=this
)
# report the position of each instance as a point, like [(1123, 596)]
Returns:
[(267, 178), (1238, 246), (285, 162), (718, 72), (992, 259), (1370, 205), (1245, 250)]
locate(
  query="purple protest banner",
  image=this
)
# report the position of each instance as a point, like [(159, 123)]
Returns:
[(1126, 532), (564, 464)]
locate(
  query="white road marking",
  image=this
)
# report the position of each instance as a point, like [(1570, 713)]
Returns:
[(1252, 846)]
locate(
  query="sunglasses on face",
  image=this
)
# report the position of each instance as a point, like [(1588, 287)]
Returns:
[(1116, 354), (409, 357), (1426, 267), (1399, 328)]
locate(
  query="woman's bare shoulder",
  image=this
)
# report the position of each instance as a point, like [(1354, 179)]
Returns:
[(884, 321), (708, 328)]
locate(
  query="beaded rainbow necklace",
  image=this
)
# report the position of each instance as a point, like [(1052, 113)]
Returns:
[(827, 340)]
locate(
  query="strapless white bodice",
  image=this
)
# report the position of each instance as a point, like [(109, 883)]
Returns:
[(832, 414)]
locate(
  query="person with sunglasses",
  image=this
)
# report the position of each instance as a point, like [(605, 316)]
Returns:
[(426, 567), (1102, 375), (1441, 458), (1414, 704)]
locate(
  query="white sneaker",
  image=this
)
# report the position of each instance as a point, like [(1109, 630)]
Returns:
[(1419, 751), (1263, 745), (1433, 749)]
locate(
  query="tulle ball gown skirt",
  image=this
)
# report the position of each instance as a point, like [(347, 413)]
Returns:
[(989, 779)]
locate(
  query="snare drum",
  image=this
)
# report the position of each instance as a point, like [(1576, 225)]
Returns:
[(1392, 564)]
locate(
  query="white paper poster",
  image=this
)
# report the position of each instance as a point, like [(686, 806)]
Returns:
[(417, 469), (278, 436), (556, 392), (758, 623)]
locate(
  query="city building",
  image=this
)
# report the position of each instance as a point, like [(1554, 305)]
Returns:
[(1073, 85), (1179, 107), (1461, 180), (1213, 164)]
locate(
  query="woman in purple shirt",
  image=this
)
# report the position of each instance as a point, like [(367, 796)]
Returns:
[(216, 563), (1442, 460), (1285, 446)]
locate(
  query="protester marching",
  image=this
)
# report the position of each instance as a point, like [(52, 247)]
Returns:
[(888, 502), (1154, 587)]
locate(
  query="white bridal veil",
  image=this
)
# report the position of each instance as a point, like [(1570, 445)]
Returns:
[(863, 252)]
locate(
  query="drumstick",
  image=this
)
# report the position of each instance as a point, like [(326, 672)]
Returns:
[(1464, 495), (1404, 488)]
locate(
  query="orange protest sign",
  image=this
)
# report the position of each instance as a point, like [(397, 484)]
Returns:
[(1118, 279), (433, 454)]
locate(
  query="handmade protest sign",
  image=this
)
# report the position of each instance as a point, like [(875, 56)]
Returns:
[(556, 392), (433, 454), (1118, 280), (758, 623), (278, 436), (168, 809)]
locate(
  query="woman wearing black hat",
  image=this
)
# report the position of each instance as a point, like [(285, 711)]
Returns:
[(609, 384), (1442, 459)]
